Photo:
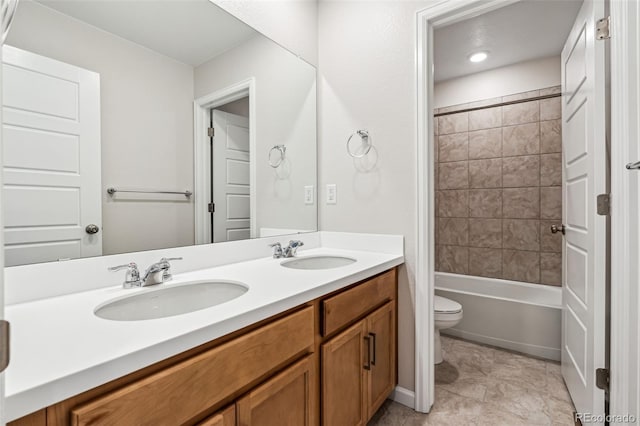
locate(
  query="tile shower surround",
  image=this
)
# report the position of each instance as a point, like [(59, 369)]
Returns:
[(498, 180)]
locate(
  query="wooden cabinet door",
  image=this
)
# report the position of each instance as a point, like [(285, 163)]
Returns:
[(226, 417), (288, 399), (344, 378), (381, 328)]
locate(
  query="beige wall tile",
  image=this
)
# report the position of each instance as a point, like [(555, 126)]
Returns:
[(453, 259), (485, 262), (488, 118), (453, 147), (521, 203), (485, 144), (485, 203), (521, 234), (454, 175), (521, 265), (550, 169), (453, 123), (550, 136), (520, 96), (435, 125), (485, 173), (550, 109), (453, 231), (526, 112), (523, 139), (484, 102), (453, 203), (549, 241), (551, 202), (521, 171), (485, 233), (551, 268)]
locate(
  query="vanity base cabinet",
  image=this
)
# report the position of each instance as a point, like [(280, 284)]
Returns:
[(343, 378), (359, 369), (226, 417), (330, 361), (286, 399)]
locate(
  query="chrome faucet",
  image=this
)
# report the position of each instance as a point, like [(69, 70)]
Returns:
[(288, 251), (157, 273)]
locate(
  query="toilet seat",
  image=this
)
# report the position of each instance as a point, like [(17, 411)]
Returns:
[(442, 305)]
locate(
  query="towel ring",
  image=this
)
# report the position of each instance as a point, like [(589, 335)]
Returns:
[(282, 150), (365, 144)]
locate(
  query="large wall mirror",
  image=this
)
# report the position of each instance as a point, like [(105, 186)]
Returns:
[(138, 125)]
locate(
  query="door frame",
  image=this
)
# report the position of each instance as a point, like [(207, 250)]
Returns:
[(202, 153), (625, 204), (440, 13)]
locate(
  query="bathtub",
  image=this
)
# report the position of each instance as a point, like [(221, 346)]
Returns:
[(508, 314)]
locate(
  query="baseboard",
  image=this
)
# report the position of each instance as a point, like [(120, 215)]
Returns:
[(404, 396), (525, 348)]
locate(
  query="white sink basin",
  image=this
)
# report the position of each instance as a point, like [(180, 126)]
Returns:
[(170, 300), (318, 262)]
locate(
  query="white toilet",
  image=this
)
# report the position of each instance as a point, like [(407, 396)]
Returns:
[(448, 313)]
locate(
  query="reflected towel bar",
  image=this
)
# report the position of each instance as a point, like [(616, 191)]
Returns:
[(112, 191)]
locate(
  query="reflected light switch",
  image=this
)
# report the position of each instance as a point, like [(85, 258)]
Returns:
[(332, 193), (308, 194)]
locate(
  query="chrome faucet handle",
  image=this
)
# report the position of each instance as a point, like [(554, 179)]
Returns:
[(292, 248), (132, 277), (277, 250), (166, 274)]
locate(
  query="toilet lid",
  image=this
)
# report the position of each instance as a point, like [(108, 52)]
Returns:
[(442, 304)]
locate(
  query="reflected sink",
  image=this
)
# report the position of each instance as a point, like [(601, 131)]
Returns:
[(170, 300), (318, 262)]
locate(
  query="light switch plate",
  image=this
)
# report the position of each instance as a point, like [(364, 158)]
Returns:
[(308, 194), (332, 193)]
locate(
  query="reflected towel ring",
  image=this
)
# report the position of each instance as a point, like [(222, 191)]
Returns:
[(282, 150), (364, 147)]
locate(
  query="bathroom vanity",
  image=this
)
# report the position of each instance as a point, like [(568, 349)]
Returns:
[(304, 347)]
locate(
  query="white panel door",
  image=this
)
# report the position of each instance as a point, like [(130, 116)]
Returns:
[(51, 159), (584, 164), (231, 177)]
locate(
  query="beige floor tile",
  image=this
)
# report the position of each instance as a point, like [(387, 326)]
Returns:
[(481, 385)]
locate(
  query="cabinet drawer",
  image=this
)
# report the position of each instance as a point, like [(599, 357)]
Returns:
[(183, 391), (341, 309)]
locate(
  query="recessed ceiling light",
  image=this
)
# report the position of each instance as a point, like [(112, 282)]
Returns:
[(478, 57)]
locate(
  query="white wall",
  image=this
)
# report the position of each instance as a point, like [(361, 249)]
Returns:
[(516, 78), (292, 23), (286, 112), (146, 125), (367, 81)]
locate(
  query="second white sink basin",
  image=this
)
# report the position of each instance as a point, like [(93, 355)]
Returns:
[(318, 262), (170, 300)]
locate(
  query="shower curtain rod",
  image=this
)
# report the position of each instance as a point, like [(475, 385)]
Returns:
[(519, 101)]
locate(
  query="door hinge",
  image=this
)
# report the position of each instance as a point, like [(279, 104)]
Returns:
[(211, 207), (603, 28), (602, 378), (4, 344), (211, 132), (604, 204)]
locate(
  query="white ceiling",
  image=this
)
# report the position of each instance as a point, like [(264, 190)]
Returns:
[(190, 31), (526, 30)]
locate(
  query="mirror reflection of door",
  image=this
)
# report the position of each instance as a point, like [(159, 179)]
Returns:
[(51, 132), (230, 166)]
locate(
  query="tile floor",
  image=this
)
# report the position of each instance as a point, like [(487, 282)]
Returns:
[(480, 385)]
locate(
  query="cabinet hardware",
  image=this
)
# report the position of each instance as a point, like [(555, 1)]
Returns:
[(367, 366), (373, 337)]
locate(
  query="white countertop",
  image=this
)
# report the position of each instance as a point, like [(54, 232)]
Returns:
[(59, 348)]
